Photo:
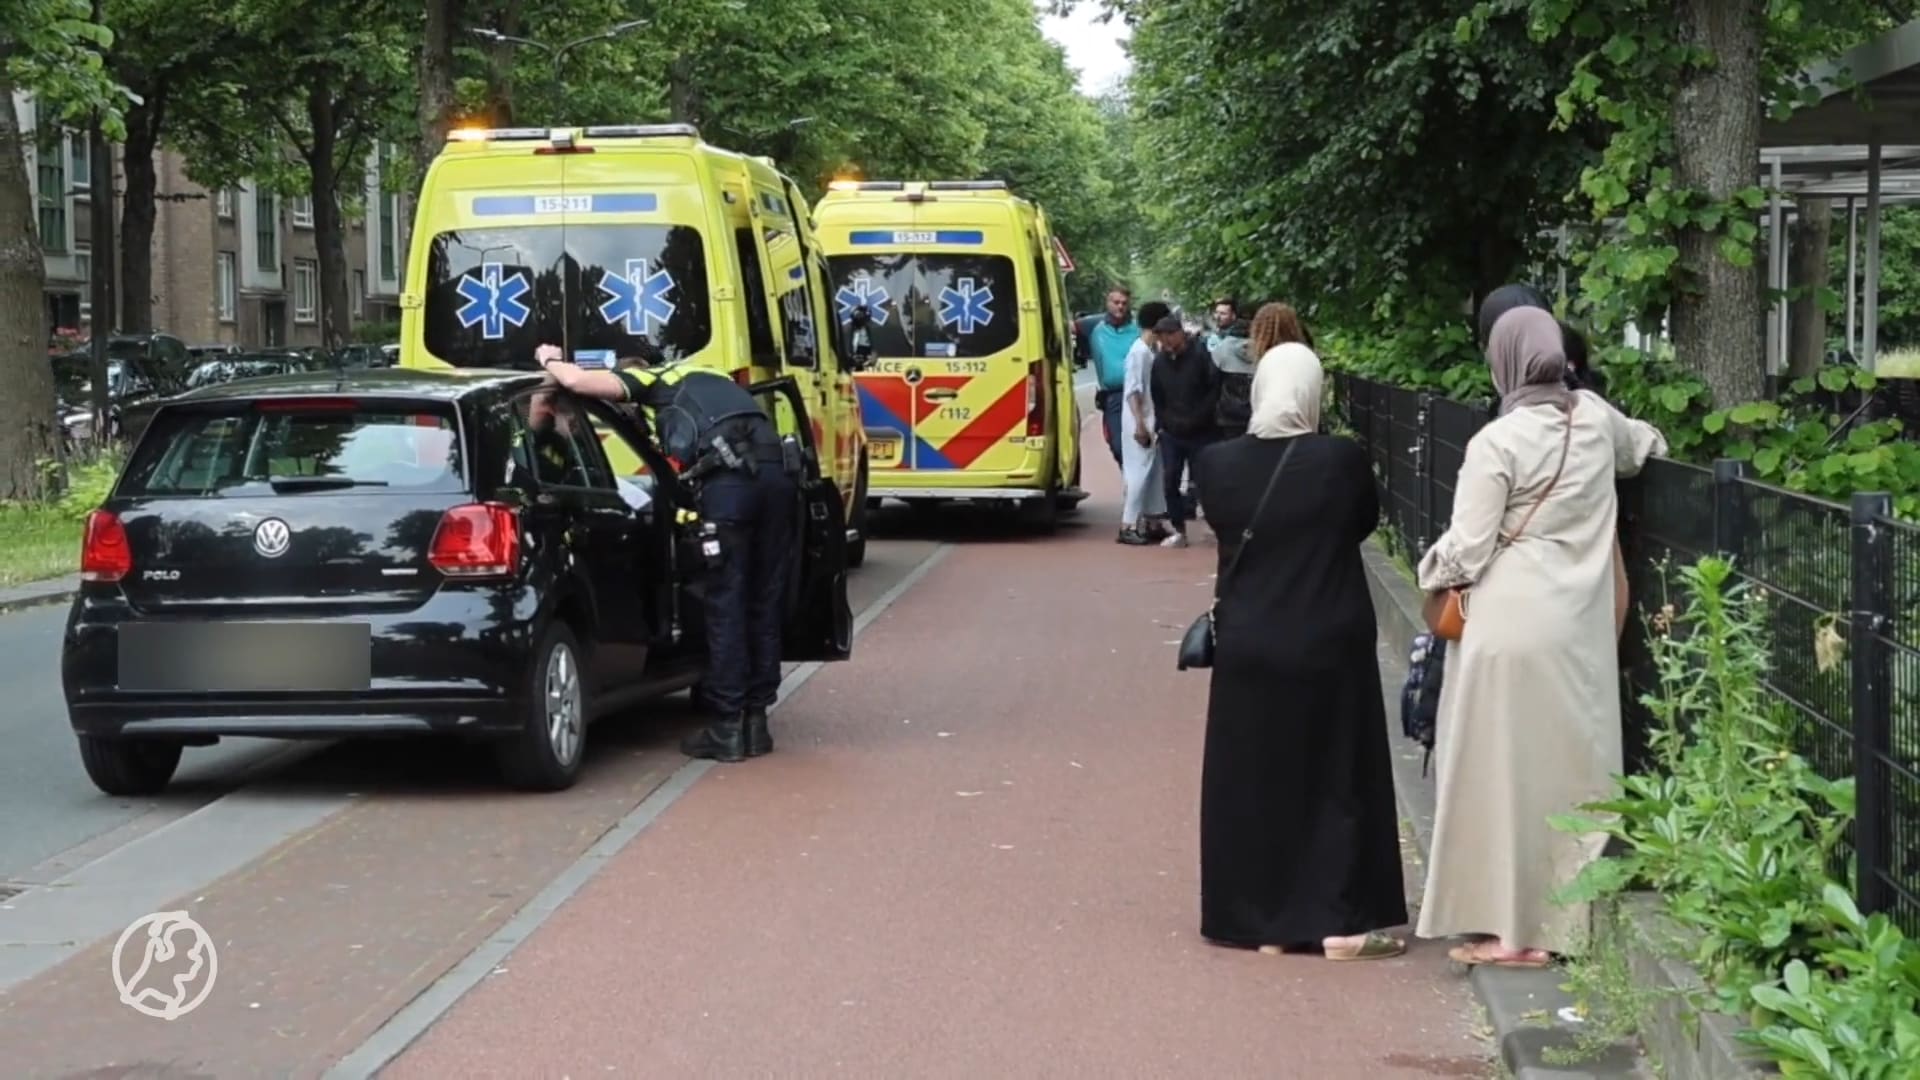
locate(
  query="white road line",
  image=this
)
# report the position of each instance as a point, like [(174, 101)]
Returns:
[(417, 1016)]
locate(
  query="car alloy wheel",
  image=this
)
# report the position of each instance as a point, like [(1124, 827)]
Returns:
[(564, 713)]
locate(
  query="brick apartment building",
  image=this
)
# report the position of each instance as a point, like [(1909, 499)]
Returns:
[(229, 267)]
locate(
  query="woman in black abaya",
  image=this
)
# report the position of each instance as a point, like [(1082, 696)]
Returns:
[(1299, 835)]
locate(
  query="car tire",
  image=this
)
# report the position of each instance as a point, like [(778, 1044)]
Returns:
[(546, 753), (129, 767), (858, 517)]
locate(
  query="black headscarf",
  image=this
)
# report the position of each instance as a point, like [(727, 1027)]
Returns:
[(1505, 299)]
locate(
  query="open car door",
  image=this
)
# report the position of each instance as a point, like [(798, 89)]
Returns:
[(819, 623)]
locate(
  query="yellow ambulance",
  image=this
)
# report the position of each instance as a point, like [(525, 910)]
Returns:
[(969, 394), (631, 240)]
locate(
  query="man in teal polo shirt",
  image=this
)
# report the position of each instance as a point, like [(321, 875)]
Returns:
[(1108, 341)]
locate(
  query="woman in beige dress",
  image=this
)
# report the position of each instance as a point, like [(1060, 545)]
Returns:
[(1529, 722)]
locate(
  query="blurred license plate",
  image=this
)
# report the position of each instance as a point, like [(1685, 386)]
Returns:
[(883, 451), (218, 657)]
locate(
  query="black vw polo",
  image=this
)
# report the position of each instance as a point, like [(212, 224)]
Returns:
[(396, 552)]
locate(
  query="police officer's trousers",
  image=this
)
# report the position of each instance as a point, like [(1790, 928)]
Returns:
[(757, 518)]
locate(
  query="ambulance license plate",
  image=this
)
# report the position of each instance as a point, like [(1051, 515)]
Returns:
[(883, 451)]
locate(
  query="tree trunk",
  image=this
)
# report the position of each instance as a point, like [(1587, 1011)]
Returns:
[(683, 96), (500, 69), (435, 109), (137, 213), (1717, 328), (324, 117), (1807, 319), (27, 438)]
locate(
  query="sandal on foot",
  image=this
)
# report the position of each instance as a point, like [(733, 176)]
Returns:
[(1486, 953), (1375, 946)]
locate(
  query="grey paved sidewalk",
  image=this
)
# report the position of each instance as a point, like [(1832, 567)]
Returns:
[(35, 593), (1523, 1007)]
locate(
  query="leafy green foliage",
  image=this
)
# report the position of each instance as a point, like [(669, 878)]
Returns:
[(1362, 160), (1736, 833), (54, 49)]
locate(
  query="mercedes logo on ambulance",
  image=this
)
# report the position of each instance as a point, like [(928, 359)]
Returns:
[(271, 538)]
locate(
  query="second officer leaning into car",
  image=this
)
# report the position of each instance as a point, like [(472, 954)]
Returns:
[(715, 430)]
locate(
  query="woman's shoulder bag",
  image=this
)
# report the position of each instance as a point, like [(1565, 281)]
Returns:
[(1196, 648), (1446, 610)]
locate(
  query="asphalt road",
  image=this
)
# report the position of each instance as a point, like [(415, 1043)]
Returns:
[(47, 804)]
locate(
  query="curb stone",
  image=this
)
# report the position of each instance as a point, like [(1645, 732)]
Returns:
[(1522, 1006), (39, 593)]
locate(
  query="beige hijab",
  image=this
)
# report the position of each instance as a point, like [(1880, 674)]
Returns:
[(1286, 393), (1528, 358)]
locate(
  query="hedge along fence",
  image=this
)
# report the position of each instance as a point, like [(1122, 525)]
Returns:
[(1843, 603)]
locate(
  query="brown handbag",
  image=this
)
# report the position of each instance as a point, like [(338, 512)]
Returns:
[(1446, 610)]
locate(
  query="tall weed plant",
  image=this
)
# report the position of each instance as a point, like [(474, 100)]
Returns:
[(1739, 835)]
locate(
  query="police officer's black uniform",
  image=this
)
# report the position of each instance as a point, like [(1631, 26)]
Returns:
[(745, 491)]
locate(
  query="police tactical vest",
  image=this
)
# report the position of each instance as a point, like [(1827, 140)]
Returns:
[(702, 402)]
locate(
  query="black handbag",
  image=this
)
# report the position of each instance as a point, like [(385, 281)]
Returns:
[(1196, 648)]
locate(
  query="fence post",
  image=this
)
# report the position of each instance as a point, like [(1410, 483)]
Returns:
[(1729, 506), (1872, 696), (1423, 472)]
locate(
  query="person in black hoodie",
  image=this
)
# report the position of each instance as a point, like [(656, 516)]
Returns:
[(1186, 401)]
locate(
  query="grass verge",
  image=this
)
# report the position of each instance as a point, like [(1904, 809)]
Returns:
[(41, 540)]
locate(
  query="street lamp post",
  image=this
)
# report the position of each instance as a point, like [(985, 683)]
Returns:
[(559, 53)]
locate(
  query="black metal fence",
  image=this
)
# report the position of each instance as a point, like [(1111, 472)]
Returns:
[(1824, 567)]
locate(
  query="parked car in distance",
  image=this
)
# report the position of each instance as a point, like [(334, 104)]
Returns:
[(398, 552), (228, 368)]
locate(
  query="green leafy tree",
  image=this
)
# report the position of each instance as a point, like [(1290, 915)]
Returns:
[(1362, 160), (313, 90), (1680, 90), (53, 49)]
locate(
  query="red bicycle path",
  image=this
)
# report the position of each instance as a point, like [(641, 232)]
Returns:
[(974, 852)]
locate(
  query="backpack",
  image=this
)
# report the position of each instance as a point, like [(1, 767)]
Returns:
[(1420, 696)]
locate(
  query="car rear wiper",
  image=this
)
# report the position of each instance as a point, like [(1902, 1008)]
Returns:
[(312, 483)]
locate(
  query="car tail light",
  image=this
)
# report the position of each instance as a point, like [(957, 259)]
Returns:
[(1036, 402), (476, 540), (105, 554), (306, 404), (744, 377)]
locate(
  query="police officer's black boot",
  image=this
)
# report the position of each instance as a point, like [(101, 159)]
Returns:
[(759, 740), (722, 740)]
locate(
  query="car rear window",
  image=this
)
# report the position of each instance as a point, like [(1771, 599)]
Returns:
[(316, 450)]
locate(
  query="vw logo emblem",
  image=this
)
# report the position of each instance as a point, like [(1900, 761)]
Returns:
[(271, 538)]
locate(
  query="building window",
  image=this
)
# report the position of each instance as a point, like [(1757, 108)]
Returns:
[(229, 299), (306, 290), (80, 154), (83, 266), (301, 209), (51, 165), (359, 294), (266, 229), (389, 238), (223, 203)]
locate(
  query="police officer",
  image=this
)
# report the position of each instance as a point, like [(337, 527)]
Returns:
[(716, 432)]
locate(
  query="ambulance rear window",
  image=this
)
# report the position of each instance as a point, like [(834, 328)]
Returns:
[(494, 295), (931, 304)]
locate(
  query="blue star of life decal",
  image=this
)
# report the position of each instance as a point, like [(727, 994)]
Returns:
[(637, 299), (494, 301), (863, 291), (966, 307)]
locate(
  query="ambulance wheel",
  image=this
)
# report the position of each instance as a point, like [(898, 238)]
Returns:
[(1070, 504), (857, 517), (1042, 515)]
